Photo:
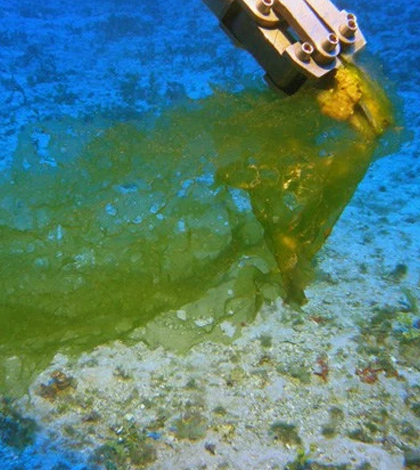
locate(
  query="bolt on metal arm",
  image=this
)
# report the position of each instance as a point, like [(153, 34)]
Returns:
[(291, 39)]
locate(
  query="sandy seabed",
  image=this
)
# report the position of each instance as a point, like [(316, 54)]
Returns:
[(327, 387)]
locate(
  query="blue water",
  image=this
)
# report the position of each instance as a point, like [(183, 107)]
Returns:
[(120, 58)]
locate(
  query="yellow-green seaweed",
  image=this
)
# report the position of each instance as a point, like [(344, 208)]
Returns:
[(177, 230)]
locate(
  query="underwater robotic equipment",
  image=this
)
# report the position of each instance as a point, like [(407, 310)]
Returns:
[(292, 40)]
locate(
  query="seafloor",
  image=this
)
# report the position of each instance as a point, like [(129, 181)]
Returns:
[(335, 385)]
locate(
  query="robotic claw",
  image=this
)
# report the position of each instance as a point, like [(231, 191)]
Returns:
[(292, 40)]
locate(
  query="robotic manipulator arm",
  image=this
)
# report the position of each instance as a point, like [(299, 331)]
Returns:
[(291, 39)]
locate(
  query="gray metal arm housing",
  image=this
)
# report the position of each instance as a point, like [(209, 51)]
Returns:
[(291, 39)]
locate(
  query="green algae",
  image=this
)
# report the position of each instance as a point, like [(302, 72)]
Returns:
[(177, 230)]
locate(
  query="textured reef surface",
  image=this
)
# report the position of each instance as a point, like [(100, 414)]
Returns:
[(202, 215)]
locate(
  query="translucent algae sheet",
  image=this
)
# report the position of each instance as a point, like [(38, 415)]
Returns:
[(175, 231)]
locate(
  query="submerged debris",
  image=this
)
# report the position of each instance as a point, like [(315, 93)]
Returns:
[(322, 367), (59, 382)]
